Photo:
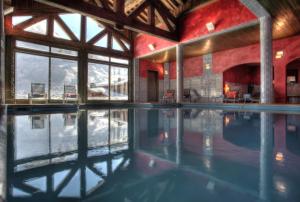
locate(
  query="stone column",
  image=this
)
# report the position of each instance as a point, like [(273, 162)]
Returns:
[(266, 55), (266, 155), (179, 72), (3, 154), (167, 84), (2, 64), (136, 80), (266, 58), (179, 134)]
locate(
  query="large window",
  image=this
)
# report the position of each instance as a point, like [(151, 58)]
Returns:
[(98, 81), (53, 72), (63, 73), (30, 69), (107, 78), (119, 83), (52, 68)]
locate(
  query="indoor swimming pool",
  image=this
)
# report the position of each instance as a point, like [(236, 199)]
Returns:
[(151, 155)]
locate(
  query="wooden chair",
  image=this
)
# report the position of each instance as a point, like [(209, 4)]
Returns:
[(38, 92), (169, 97), (70, 92)]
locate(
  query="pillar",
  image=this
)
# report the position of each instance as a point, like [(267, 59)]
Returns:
[(179, 73), (266, 58), (266, 55), (2, 64), (136, 80), (266, 155), (179, 135)]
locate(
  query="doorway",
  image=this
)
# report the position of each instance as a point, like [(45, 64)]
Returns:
[(152, 86)]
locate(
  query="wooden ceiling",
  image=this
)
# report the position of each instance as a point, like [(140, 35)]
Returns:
[(159, 17), (286, 23), (220, 42), (286, 16), (154, 17)]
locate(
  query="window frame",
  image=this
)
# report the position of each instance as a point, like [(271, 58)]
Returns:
[(50, 56), (110, 64)]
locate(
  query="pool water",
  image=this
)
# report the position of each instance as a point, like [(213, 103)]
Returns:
[(152, 155)]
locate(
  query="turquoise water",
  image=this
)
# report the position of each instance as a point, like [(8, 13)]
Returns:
[(137, 155)]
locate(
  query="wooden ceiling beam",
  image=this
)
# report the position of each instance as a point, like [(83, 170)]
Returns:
[(108, 16), (161, 7), (119, 6)]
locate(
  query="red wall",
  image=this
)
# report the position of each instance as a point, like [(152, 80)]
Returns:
[(223, 13), (191, 67), (243, 74), (146, 65), (227, 13), (251, 54)]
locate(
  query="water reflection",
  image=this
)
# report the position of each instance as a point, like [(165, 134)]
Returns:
[(154, 155)]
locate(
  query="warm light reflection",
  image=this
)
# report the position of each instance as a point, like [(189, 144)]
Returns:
[(166, 72), (207, 163), (227, 121), (279, 156), (207, 45), (166, 135), (280, 186), (151, 163), (226, 88), (207, 142)]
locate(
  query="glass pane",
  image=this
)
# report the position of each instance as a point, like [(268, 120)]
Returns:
[(116, 45), (63, 133), (29, 129), (64, 75), (59, 32), (72, 189), (30, 69), (64, 51), (98, 57), (92, 28), (73, 21), (120, 61), (119, 83), (98, 128), (98, 86), (103, 42), (119, 130), (38, 28), (32, 46), (126, 44), (19, 19)]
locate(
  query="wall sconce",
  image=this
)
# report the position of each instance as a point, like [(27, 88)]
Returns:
[(166, 72), (210, 26), (207, 66), (279, 54), (151, 46)]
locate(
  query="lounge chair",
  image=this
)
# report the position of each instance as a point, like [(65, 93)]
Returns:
[(38, 92), (187, 95), (70, 92), (248, 98), (168, 97)]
